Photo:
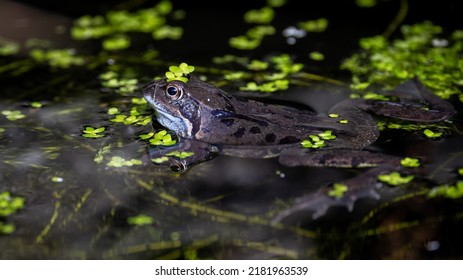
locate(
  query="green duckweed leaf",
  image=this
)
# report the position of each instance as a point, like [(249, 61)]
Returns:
[(410, 162), (395, 178)]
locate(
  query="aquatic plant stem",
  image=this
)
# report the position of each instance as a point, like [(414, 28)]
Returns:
[(398, 19)]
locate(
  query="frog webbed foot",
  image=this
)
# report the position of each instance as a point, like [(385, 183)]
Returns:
[(183, 155), (344, 194)]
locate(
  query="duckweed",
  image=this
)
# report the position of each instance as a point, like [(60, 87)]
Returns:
[(410, 162), (63, 58), (91, 132), (276, 3), (366, 3), (448, 191), (338, 190), (140, 220), (36, 104), (317, 56), (8, 48), (114, 26), (257, 65), (421, 51), (318, 25), (179, 72), (117, 161), (395, 178), (13, 115), (168, 32), (122, 85), (116, 42), (318, 141), (128, 120), (180, 154), (431, 134), (6, 228), (113, 111), (161, 138), (160, 160), (10, 204), (260, 16)]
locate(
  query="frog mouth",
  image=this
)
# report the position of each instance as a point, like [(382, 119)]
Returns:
[(167, 118)]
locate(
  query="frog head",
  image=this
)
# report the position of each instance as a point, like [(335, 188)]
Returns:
[(181, 107)]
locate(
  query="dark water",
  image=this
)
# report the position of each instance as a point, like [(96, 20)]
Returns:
[(76, 207)]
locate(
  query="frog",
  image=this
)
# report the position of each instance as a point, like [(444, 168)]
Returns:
[(210, 121)]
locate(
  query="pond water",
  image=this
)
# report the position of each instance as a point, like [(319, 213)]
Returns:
[(94, 194)]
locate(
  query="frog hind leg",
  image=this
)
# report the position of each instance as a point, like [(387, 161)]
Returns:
[(417, 103), (362, 186)]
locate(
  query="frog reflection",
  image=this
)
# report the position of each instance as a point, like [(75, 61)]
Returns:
[(209, 121)]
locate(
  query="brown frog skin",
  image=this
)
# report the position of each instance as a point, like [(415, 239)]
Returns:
[(199, 111), (205, 116)]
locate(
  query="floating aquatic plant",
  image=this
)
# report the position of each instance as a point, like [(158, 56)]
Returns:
[(179, 72), (10, 204), (318, 141), (410, 162), (114, 26), (432, 134), (318, 25), (8, 48), (448, 191), (422, 51), (117, 161), (180, 154), (160, 138), (140, 220), (13, 115), (338, 190), (91, 132), (395, 178)]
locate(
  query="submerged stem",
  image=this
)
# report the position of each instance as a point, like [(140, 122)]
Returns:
[(400, 16)]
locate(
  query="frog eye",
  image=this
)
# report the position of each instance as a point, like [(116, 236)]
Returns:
[(174, 92), (178, 166)]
